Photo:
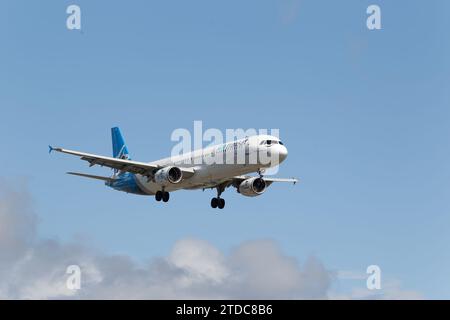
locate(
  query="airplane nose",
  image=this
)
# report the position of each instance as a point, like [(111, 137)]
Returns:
[(283, 153)]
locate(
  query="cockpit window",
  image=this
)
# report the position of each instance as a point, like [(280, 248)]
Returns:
[(269, 142), (281, 143)]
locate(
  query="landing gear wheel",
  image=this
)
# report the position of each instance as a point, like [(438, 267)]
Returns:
[(158, 195), (221, 203), (165, 196), (218, 202)]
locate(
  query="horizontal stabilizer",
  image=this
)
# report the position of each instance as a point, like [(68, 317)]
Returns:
[(91, 176)]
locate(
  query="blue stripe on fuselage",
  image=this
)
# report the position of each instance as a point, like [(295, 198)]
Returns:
[(126, 182)]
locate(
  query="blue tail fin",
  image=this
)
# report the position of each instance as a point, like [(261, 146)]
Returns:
[(120, 149)]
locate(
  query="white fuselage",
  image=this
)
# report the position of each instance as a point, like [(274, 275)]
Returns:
[(215, 164)]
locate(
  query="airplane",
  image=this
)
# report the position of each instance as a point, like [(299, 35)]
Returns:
[(190, 171)]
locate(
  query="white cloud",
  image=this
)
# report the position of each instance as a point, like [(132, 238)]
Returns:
[(201, 260), (33, 268)]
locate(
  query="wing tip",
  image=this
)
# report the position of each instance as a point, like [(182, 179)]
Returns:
[(51, 149)]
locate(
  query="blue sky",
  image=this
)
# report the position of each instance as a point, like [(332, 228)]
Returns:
[(365, 116)]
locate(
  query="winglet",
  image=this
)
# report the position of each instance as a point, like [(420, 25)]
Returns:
[(50, 149)]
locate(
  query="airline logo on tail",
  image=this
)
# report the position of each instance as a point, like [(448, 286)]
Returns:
[(120, 149)]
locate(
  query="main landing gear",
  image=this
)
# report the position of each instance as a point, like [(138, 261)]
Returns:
[(218, 202), (162, 195)]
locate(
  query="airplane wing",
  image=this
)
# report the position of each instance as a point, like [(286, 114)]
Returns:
[(135, 167), (237, 180), (267, 179)]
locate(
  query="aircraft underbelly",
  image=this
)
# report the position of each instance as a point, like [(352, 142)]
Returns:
[(203, 177)]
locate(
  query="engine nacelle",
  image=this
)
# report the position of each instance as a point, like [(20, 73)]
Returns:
[(168, 175), (252, 187)]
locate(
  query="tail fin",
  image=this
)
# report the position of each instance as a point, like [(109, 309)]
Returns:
[(120, 149)]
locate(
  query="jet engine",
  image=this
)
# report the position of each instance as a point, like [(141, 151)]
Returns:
[(252, 187), (168, 175)]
